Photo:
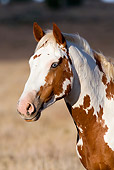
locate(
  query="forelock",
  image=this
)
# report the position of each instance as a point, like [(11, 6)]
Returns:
[(47, 38)]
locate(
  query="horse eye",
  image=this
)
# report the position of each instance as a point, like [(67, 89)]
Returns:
[(54, 65)]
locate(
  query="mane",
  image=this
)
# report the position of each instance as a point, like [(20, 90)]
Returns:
[(106, 64), (48, 37), (79, 41)]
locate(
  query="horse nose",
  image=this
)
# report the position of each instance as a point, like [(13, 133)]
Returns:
[(30, 109), (25, 108)]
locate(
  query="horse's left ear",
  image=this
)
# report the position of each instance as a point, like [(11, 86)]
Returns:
[(38, 32), (58, 35)]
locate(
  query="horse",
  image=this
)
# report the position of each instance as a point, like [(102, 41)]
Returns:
[(65, 66)]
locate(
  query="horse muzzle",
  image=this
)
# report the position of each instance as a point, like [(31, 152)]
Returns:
[(30, 106)]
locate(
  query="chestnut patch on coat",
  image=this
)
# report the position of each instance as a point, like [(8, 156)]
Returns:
[(86, 101), (95, 153), (104, 79), (45, 93), (110, 90), (36, 56), (109, 87), (58, 75), (54, 81), (44, 44)]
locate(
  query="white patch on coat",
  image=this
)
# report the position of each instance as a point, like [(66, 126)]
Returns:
[(80, 129), (108, 137), (78, 152), (80, 143)]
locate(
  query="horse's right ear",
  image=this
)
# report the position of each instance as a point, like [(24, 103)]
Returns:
[(37, 31), (58, 35)]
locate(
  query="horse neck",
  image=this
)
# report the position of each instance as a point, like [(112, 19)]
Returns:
[(87, 81), (91, 110)]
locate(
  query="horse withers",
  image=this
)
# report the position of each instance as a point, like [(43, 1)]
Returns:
[(64, 66)]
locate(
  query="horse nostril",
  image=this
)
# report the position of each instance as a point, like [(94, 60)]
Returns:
[(30, 109)]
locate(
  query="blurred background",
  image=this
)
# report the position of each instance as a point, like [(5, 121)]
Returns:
[(49, 143)]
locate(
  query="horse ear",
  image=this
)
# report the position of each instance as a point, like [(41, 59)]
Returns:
[(58, 35), (37, 31)]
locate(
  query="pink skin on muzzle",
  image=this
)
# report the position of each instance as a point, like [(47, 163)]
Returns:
[(27, 105)]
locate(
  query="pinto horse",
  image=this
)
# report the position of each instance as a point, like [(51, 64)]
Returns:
[(64, 66)]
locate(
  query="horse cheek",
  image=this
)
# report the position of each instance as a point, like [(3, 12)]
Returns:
[(47, 93), (58, 82)]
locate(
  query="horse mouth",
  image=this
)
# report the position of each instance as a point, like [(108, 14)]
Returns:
[(35, 118), (36, 115), (34, 109)]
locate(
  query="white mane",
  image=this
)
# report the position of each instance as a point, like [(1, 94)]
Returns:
[(79, 41), (106, 63)]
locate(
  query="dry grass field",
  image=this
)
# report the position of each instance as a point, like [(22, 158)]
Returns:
[(49, 143)]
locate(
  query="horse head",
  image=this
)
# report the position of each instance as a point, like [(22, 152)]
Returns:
[(51, 75)]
